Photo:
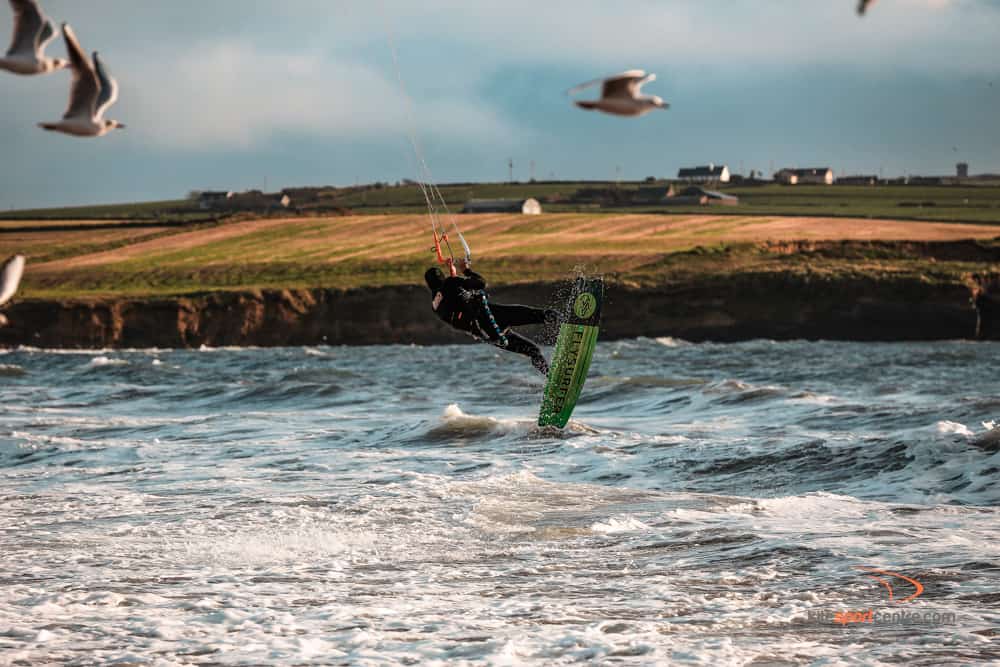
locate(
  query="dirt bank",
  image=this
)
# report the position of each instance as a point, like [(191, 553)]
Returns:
[(728, 308)]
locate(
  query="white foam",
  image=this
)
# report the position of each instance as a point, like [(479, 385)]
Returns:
[(271, 547), (811, 505), (809, 398), (226, 348), (953, 428), (626, 524), (98, 362), (88, 351), (670, 341), (65, 442), (453, 417)]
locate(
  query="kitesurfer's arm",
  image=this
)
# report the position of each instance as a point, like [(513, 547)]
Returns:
[(473, 280)]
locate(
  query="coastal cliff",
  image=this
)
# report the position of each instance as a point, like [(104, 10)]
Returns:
[(725, 308)]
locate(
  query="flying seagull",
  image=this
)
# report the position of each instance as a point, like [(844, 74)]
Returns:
[(10, 277), (93, 92), (863, 6), (32, 33), (620, 95)]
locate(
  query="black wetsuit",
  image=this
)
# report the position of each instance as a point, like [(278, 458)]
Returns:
[(462, 303)]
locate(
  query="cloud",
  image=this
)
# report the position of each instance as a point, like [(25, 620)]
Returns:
[(226, 90), (243, 78), (232, 95), (912, 34)]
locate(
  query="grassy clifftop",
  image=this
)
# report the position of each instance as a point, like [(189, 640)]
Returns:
[(354, 251)]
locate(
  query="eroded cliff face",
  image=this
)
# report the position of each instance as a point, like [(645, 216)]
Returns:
[(765, 305)]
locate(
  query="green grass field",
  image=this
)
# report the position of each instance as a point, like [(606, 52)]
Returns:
[(174, 210), (945, 203), (977, 204)]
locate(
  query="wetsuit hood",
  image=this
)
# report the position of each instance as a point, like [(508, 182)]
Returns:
[(435, 278)]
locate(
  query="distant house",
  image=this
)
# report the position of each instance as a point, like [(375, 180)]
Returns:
[(857, 180), (697, 196), (210, 199), (816, 176), (711, 173), (528, 206)]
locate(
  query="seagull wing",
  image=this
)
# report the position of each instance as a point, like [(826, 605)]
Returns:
[(625, 84), (86, 88), (584, 86), (642, 82), (10, 277), (28, 23), (109, 88), (47, 35)]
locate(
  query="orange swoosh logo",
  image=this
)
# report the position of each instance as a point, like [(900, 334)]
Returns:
[(917, 586)]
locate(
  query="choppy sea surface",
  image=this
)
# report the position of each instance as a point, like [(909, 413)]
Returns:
[(709, 504)]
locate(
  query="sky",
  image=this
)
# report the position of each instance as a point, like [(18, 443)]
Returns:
[(240, 94)]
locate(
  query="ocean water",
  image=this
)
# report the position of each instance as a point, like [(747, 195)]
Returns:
[(709, 505)]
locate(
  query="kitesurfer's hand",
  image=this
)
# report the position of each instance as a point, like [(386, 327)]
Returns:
[(464, 265)]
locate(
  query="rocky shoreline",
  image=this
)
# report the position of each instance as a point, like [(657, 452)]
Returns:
[(772, 305)]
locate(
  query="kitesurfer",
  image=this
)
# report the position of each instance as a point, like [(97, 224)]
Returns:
[(461, 301)]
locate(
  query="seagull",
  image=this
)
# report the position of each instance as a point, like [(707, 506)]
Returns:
[(10, 277), (93, 92), (620, 95), (32, 33), (863, 6)]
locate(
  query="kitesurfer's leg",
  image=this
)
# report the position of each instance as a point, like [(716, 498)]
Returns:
[(520, 345), (515, 316)]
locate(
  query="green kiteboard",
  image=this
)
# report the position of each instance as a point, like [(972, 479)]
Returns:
[(574, 349)]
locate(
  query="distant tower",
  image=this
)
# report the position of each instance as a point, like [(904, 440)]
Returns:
[(510, 170), (963, 169)]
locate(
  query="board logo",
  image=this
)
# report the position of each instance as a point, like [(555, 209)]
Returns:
[(585, 305)]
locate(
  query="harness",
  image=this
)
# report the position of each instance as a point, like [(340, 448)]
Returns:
[(502, 340)]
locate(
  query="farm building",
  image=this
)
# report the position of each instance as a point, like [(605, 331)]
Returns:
[(857, 180), (308, 194), (711, 173), (524, 206), (820, 176), (255, 200), (653, 194), (696, 196), (210, 199)]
